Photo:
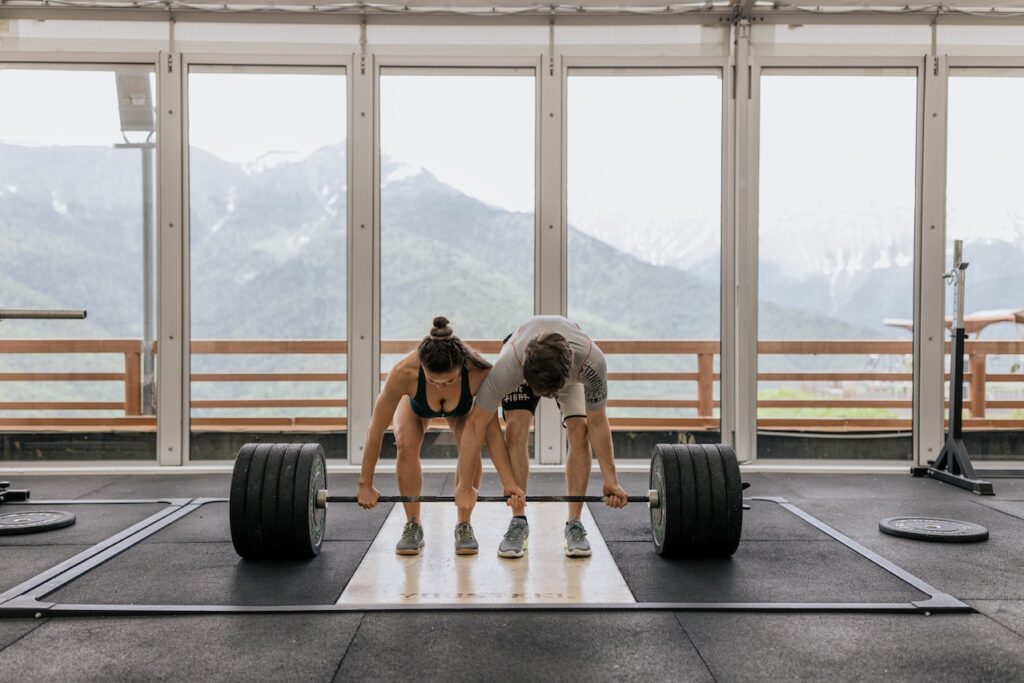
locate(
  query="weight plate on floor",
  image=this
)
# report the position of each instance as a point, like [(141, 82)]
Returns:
[(656, 482), (285, 499), (686, 499), (33, 521), (269, 499), (308, 521), (668, 523), (719, 498), (236, 504), (932, 529), (254, 495), (703, 538), (734, 496)]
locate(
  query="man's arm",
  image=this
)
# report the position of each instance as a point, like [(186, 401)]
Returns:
[(600, 433), (499, 456), (473, 435), (501, 379)]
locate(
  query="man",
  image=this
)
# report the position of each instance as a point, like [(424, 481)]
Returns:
[(547, 356)]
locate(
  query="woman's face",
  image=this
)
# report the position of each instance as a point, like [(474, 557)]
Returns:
[(441, 379)]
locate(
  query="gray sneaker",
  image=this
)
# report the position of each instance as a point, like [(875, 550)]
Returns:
[(515, 540), (411, 540), (465, 541), (576, 543)]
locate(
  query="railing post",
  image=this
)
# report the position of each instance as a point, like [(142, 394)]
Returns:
[(133, 382), (705, 384), (976, 389)]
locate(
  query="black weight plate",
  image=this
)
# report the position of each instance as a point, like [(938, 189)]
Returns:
[(286, 499), (933, 529), (656, 482), (307, 519), (271, 478), (687, 498), (236, 506), (666, 519), (734, 500), (318, 516), (719, 498), (254, 500), (702, 532), (34, 521)]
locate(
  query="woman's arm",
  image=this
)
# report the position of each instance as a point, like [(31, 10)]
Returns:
[(383, 412), (478, 426)]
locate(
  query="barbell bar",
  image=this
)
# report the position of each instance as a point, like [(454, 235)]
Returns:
[(322, 498), (279, 497)]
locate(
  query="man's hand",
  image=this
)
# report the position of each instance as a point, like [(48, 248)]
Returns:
[(516, 496), (368, 496), (465, 496), (615, 496)]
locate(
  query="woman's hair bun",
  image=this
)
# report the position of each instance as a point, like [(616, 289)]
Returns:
[(441, 329)]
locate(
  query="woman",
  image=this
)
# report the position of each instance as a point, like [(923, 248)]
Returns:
[(439, 379)]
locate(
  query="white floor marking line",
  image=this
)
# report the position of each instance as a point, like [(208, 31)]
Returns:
[(437, 575)]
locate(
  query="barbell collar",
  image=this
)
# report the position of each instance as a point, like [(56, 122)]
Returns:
[(322, 498)]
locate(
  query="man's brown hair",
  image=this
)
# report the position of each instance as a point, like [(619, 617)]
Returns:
[(547, 363)]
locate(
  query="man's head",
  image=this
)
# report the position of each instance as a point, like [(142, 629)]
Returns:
[(547, 363)]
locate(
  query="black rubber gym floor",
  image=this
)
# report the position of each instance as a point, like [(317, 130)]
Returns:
[(781, 559)]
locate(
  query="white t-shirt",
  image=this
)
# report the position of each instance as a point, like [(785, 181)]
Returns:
[(588, 363)]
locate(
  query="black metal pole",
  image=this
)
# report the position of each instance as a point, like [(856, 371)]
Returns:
[(956, 386)]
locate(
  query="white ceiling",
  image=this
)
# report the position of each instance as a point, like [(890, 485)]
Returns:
[(533, 6)]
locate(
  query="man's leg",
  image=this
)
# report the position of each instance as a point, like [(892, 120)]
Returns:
[(577, 467), (572, 403), (518, 408)]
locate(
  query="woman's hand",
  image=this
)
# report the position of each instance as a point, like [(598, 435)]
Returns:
[(465, 496)]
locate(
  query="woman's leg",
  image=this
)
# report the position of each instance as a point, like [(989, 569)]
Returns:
[(456, 424), (409, 430)]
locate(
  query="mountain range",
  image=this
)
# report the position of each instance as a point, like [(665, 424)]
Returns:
[(267, 257)]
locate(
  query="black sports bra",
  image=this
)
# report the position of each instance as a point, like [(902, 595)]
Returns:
[(421, 407)]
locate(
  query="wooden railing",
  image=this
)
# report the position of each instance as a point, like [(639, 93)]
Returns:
[(703, 403)]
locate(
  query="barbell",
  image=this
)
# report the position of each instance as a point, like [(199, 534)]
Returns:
[(279, 497)]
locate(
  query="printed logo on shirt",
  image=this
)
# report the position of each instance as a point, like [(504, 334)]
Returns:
[(596, 389)]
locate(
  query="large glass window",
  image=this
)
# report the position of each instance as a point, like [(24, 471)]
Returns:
[(267, 224), (76, 232), (836, 265), (986, 210), (457, 201), (644, 245)]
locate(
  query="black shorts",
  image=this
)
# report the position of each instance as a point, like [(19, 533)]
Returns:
[(522, 398)]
